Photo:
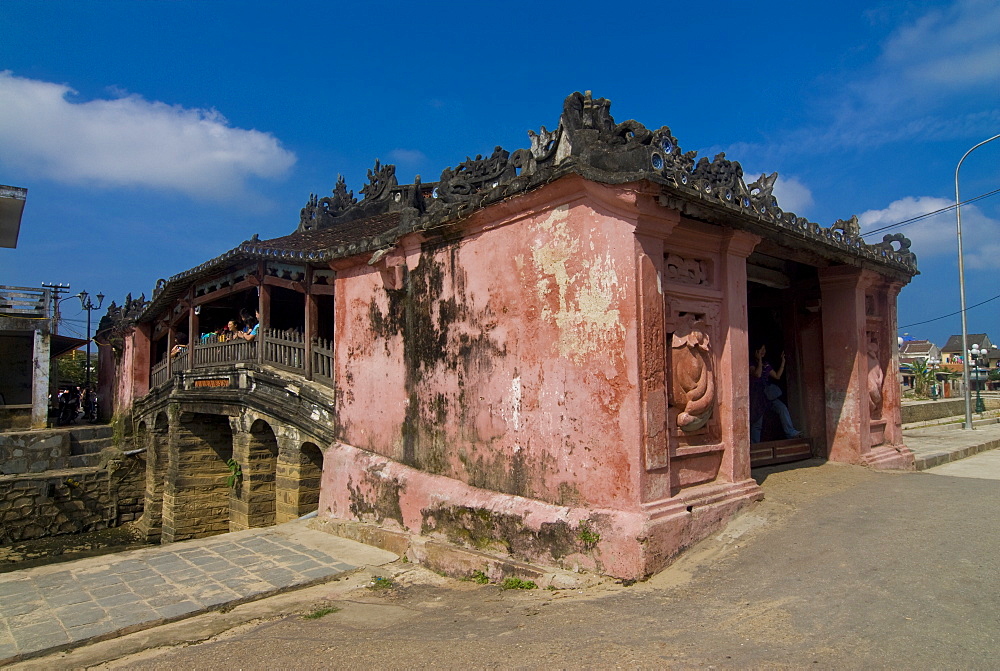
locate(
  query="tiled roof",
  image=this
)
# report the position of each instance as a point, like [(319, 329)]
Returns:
[(954, 343)]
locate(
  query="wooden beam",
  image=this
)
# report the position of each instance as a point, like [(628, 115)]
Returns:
[(243, 285)]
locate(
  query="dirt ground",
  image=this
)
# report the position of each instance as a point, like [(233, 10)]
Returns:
[(840, 567)]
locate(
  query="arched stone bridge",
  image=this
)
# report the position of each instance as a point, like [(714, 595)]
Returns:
[(270, 424)]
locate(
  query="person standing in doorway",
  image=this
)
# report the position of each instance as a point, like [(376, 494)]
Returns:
[(765, 395)]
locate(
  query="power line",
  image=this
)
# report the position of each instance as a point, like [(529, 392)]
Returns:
[(928, 214), (927, 321)]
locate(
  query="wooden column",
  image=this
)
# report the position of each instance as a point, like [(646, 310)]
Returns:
[(311, 316), (192, 330), (264, 308)]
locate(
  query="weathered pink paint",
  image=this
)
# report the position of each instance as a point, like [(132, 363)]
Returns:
[(535, 377)]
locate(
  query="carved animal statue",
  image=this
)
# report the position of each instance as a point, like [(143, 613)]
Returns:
[(693, 383), (875, 377)]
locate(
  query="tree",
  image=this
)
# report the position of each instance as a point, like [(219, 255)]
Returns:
[(923, 374)]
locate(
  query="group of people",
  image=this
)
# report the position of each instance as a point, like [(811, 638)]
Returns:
[(231, 331), (70, 401)]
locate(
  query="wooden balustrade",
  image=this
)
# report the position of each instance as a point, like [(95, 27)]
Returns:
[(158, 374), (285, 349), (213, 351), (322, 352)]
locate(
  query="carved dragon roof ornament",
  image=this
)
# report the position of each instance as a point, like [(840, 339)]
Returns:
[(589, 142)]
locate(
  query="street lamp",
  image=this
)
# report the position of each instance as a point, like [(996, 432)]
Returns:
[(961, 285), (932, 363), (978, 356), (89, 306)]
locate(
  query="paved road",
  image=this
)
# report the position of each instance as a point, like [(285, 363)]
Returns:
[(56, 606), (839, 568), (985, 466)]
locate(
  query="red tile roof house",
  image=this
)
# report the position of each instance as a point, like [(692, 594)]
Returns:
[(544, 354)]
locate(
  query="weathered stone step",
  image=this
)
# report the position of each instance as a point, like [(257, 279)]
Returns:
[(90, 446), (90, 439), (85, 460)]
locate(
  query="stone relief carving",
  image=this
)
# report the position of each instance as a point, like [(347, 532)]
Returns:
[(684, 271), (875, 378), (693, 385)]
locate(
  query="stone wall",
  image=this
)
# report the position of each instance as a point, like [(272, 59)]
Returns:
[(926, 411), (73, 500), (34, 451)]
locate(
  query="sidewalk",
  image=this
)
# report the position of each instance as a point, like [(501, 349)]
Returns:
[(943, 443), (54, 607)]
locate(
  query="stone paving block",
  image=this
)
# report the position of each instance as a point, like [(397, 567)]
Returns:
[(67, 598), (7, 649), (100, 581), (16, 588), (129, 566), (108, 591), (320, 572), (126, 616), (147, 582), (119, 600), (79, 616), (177, 609), (162, 600), (15, 606), (216, 598), (52, 580), (40, 637), (277, 576), (87, 631)]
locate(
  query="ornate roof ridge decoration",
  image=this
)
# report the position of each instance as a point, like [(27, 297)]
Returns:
[(119, 319), (589, 142)]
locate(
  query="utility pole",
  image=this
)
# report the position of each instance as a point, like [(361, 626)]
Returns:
[(56, 289)]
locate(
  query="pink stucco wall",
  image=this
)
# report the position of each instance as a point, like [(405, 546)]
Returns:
[(511, 362)]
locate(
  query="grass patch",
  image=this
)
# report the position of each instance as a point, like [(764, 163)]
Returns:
[(320, 612), (477, 577), (380, 583), (517, 583), (588, 536)]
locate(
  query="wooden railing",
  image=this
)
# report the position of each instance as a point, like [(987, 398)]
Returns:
[(24, 302), (218, 351), (282, 349), (285, 349), (322, 353), (158, 375)]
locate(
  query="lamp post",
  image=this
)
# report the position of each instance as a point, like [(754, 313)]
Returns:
[(932, 363), (89, 306), (977, 356), (961, 285)]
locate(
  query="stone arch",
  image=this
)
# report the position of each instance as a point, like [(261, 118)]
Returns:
[(153, 435), (196, 496), (254, 502)]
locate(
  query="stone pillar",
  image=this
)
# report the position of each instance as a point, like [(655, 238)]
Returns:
[(195, 494), (891, 399), (40, 363), (733, 373), (256, 451), (845, 362), (297, 484)]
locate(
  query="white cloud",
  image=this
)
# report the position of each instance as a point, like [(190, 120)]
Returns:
[(792, 194), (130, 141), (937, 235), (407, 156)]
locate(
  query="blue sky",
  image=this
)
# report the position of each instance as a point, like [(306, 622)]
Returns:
[(154, 135)]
